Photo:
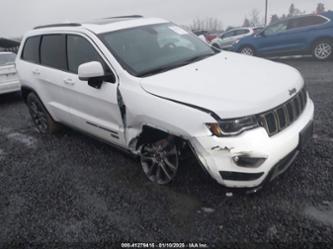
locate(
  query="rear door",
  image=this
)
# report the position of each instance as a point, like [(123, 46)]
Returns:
[(236, 35), (95, 111), (51, 74), (227, 39)]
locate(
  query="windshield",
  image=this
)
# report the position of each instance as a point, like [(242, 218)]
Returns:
[(153, 49), (7, 59)]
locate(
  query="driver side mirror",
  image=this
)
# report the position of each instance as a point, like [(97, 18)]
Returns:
[(94, 73)]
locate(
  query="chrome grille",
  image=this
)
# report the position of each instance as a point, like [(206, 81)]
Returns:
[(284, 115)]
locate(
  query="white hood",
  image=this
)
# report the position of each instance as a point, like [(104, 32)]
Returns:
[(229, 84)]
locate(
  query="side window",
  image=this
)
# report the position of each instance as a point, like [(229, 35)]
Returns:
[(80, 51), (53, 51), (316, 20), (242, 32), (306, 21), (31, 49), (312, 20), (227, 35), (294, 24), (276, 28)]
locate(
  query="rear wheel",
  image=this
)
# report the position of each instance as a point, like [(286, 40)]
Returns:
[(323, 50), (41, 118), (160, 160), (247, 50)]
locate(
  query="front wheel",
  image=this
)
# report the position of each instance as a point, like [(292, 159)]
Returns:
[(247, 50), (323, 50), (160, 160)]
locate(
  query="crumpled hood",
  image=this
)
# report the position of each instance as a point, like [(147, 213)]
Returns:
[(229, 84)]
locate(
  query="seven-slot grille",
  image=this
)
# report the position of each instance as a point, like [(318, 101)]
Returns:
[(284, 115)]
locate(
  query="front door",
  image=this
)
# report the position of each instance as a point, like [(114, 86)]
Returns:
[(95, 111)]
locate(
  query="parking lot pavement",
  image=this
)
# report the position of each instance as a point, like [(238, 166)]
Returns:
[(74, 190)]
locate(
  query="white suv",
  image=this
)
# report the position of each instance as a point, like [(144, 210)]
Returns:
[(118, 79)]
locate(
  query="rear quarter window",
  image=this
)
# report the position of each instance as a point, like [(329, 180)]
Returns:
[(31, 49), (53, 51), (7, 59), (306, 21)]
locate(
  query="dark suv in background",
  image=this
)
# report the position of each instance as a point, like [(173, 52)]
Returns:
[(303, 35)]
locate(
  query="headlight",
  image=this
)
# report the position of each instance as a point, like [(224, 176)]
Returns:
[(236, 42), (233, 127)]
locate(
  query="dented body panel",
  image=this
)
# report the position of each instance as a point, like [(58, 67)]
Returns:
[(179, 102)]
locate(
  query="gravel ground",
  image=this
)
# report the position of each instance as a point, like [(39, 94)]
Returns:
[(69, 190)]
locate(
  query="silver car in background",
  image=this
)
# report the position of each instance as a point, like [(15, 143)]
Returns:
[(9, 81), (227, 39)]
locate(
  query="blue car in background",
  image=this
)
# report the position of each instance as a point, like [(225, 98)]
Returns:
[(302, 35)]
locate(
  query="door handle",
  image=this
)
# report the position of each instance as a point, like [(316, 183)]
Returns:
[(69, 82), (36, 72)]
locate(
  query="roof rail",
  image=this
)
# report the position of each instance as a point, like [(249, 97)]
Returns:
[(130, 16), (59, 25)]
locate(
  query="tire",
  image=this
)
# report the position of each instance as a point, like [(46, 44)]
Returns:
[(40, 116), (247, 50), (160, 160), (323, 50)]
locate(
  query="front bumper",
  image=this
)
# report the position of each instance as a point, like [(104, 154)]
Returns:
[(216, 154)]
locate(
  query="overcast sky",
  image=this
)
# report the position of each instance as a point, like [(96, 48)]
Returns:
[(18, 16)]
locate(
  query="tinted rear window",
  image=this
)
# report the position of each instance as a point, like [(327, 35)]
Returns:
[(306, 21), (53, 51), (7, 59), (31, 49)]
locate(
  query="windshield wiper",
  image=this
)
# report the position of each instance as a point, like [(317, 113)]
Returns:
[(196, 58), (158, 70), (165, 68)]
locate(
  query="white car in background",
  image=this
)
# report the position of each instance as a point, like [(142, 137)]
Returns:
[(227, 39), (8, 76), (121, 80)]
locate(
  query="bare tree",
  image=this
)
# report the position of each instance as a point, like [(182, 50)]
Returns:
[(209, 24), (255, 18), (274, 19), (293, 11), (320, 8), (246, 22)]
